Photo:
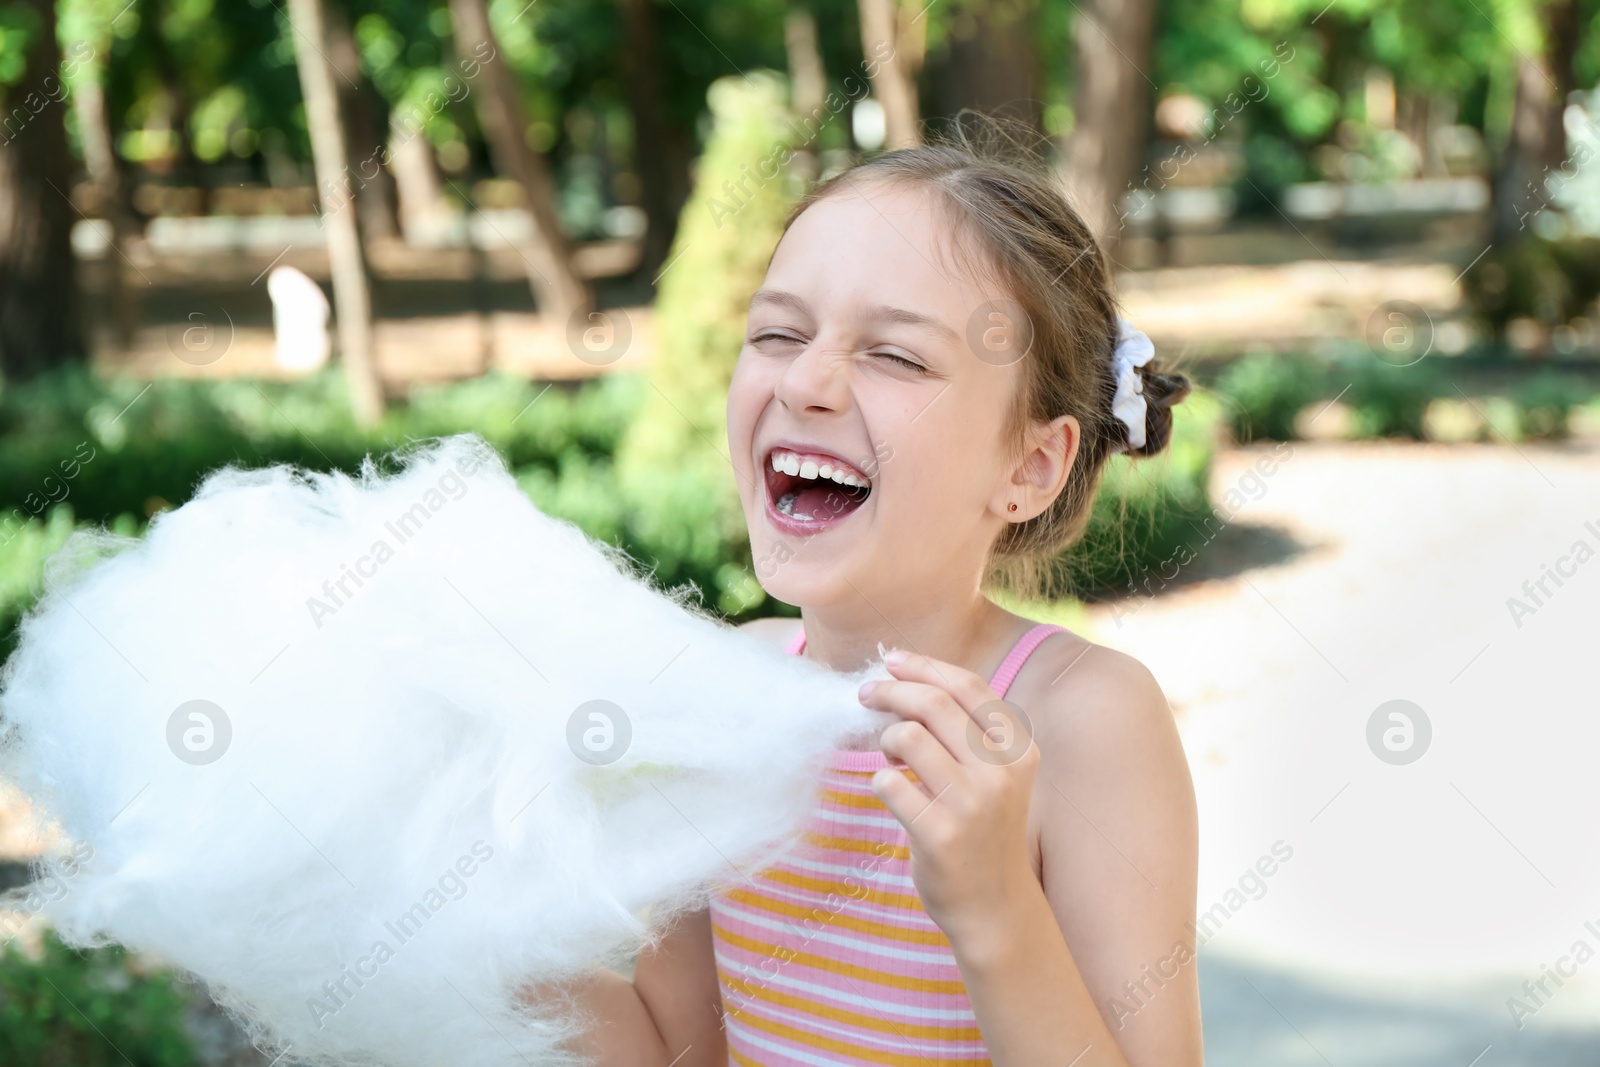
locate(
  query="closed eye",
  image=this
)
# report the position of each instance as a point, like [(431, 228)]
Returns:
[(771, 336), (912, 364)]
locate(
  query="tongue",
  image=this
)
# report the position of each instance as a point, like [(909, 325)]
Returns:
[(825, 502)]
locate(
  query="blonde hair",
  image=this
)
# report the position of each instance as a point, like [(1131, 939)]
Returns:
[(1011, 218)]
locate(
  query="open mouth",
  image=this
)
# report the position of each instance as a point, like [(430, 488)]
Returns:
[(808, 490)]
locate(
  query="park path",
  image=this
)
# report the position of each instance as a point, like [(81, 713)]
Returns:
[(1419, 897)]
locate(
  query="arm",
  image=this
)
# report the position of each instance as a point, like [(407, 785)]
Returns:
[(1043, 951), (668, 1014), (678, 985)]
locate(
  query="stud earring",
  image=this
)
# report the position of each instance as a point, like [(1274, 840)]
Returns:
[(1012, 507)]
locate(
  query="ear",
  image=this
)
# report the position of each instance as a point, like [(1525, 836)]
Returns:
[(1041, 474)]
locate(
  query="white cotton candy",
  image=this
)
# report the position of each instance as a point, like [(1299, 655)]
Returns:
[(398, 831)]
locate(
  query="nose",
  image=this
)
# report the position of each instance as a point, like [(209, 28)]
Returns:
[(817, 380)]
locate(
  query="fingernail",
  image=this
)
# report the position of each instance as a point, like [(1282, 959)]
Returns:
[(866, 690), (896, 657)]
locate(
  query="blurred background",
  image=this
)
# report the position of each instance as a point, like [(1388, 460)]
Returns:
[(261, 231)]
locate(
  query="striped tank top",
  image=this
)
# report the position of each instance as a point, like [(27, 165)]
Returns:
[(827, 957)]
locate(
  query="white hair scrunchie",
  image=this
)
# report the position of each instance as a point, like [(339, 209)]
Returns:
[(1133, 351)]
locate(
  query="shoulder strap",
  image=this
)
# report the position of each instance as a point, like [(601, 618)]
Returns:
[(1008, 668), (1019, 655)]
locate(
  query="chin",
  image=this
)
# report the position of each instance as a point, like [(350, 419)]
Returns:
[(808, 583)]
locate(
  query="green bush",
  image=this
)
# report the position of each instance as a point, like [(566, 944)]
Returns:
[(1545, 403), (1550, 281), (114, 446), (1264, 391), (1388, 401), (89, 1009), (1147, 510), (23, 550)]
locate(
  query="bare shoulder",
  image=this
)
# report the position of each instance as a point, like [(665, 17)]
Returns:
[(1111, 761), (1091, 704), (776, 630)]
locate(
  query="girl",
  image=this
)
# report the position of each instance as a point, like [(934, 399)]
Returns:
[(932, 380)]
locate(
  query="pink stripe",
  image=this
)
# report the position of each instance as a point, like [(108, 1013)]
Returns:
[(1019, 655)]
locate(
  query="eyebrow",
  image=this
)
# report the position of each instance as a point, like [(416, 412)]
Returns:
[(882, 312), (778, 296)]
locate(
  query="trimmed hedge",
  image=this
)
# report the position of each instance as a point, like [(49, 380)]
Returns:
[(1264, 394), (115, 446)]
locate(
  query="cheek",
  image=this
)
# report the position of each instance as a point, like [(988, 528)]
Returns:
[(948, 462), (747, 395)]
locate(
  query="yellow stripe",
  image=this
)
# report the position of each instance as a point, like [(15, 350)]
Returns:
[(829, 1044), (856, 844), (908, 901), (853, 1018), (907, 771), (872, 927), (853, 800), (822, 963), (741, 1059)]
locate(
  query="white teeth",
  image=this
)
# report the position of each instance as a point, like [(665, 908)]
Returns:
[(789, 463)]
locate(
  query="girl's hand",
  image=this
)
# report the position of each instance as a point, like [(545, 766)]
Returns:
[(967, 813)]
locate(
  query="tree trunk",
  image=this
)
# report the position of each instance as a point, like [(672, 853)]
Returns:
[(39, 320), (659, 152), (808, 80), (990, 64), (557, 289), (105, 173), (351, 298), (367, 125), (893, 39), (1563, 30), (808, 86), (1519, 179), (422, 205), (187, 171), (1111, 104), (1537, 142)]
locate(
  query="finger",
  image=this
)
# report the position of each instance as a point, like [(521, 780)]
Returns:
[(966, 688), (996, 732), (903, 799), (911, 743), (925, 704)]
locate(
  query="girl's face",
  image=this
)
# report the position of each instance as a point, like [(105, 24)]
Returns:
[(865, 427)]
